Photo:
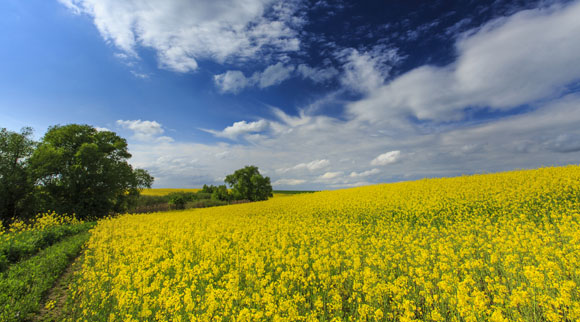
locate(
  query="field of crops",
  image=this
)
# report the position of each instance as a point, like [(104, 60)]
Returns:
[(497, 247)]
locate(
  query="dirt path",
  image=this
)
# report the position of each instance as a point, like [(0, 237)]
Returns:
[(51, 308)]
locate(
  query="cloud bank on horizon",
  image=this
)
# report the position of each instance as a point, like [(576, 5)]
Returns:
[(506, 96)]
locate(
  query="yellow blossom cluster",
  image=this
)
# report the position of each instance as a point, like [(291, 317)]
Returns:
[(42, 221), (493, 247)]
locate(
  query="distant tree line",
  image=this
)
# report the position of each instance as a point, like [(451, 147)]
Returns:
[(73, 169), (247, 184)]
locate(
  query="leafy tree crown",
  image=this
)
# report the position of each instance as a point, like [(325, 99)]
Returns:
[(247, 183)]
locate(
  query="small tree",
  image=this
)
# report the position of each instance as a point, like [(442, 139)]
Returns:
[(177, 201), (247, 183)]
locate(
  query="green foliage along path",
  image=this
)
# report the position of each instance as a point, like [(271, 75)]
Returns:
[(23, 284), (16, 247)]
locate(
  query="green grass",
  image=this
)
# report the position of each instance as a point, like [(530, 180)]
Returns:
[(15, 247), (23, 285)]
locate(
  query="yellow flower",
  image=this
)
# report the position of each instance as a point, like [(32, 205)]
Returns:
[(492, 247)]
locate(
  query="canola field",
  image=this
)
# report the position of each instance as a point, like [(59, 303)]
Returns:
[(494, 247)]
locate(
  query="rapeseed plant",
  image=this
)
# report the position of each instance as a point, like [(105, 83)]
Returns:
[(494, 247)]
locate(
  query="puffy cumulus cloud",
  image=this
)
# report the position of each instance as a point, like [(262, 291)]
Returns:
[(145, 130), (240, 128), (234, 81), (311, 166), (520, 59), (182, 32), (387, 158)]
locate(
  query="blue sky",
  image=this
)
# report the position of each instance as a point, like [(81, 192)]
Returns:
[(317, 94)]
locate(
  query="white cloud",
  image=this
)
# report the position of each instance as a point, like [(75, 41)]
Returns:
[(363, 72), (71, 4), (102, 129), (541, 134), (331, 175), (288, 182), (387, 158), (366, 173), (234, 81), (274, 75), (315, 165), (145, 130), (366, 71), (510, 61), (241, 128), (545, 133), (317, 75), (140, 75), (291, 121), (311, 166), (547, 129), (182, 32)]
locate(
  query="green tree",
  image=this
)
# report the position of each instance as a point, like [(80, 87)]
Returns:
[(177, 201), (208, 189), (221, 193), (16, 185), (83, 171), (247, 183)]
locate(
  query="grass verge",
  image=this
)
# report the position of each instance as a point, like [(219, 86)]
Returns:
[(15, 247), (24, 284)]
